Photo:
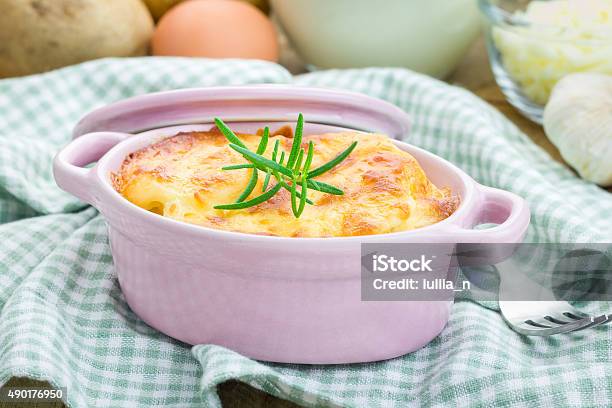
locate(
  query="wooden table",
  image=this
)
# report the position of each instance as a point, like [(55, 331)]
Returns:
[(474, 74)]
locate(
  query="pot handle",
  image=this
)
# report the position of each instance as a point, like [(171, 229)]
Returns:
[(501, 207), (68, 170)]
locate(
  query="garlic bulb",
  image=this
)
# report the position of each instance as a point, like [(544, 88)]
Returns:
[(578, 120)]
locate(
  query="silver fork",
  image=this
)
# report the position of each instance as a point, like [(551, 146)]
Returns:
[(542, 317)]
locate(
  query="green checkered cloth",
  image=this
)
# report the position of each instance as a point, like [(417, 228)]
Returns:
[(63, 317)]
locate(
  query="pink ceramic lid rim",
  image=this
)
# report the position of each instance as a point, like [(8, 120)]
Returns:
[(272, 103)]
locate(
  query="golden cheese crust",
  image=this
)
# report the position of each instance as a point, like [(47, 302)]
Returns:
[(385, 189)]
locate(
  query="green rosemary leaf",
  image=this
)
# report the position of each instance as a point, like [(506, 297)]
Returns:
[(249, 188), (297, 141), (259, 160), (294, 208), (252, 202), (268, 172), (324, 187), (275, 150), (266, 181), (309, 156), (263, 143), (227, 132), (283, 183), (238, 166), (304, 189), (319, 186), (298, 162), (297, 193), (303, 198), (333, 162)]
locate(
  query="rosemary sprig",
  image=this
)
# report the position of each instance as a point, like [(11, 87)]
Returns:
[(296, 172), (304, 178), (263, 143), (333, 162), (269, 172), (297, 141)]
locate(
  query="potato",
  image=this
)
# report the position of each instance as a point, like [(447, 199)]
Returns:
[(40, 35)]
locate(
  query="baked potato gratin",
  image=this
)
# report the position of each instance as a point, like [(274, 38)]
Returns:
[(385, 189)]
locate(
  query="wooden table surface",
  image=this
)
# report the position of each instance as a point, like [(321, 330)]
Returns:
[(474, 74)]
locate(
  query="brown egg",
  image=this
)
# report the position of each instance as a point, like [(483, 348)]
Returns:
[(216, 29)]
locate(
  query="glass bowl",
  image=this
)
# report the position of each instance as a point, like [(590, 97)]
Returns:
[(532, 45)]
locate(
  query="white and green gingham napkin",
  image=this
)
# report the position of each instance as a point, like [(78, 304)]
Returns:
[(63, 317)]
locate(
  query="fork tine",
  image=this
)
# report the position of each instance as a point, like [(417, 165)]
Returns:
[(536, 324), (568, 315), (551, 320), (596, 321), (559, 318), (532, 328), (575, 314)]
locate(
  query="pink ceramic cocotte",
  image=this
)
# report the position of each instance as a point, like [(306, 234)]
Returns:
[(278, 299)]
